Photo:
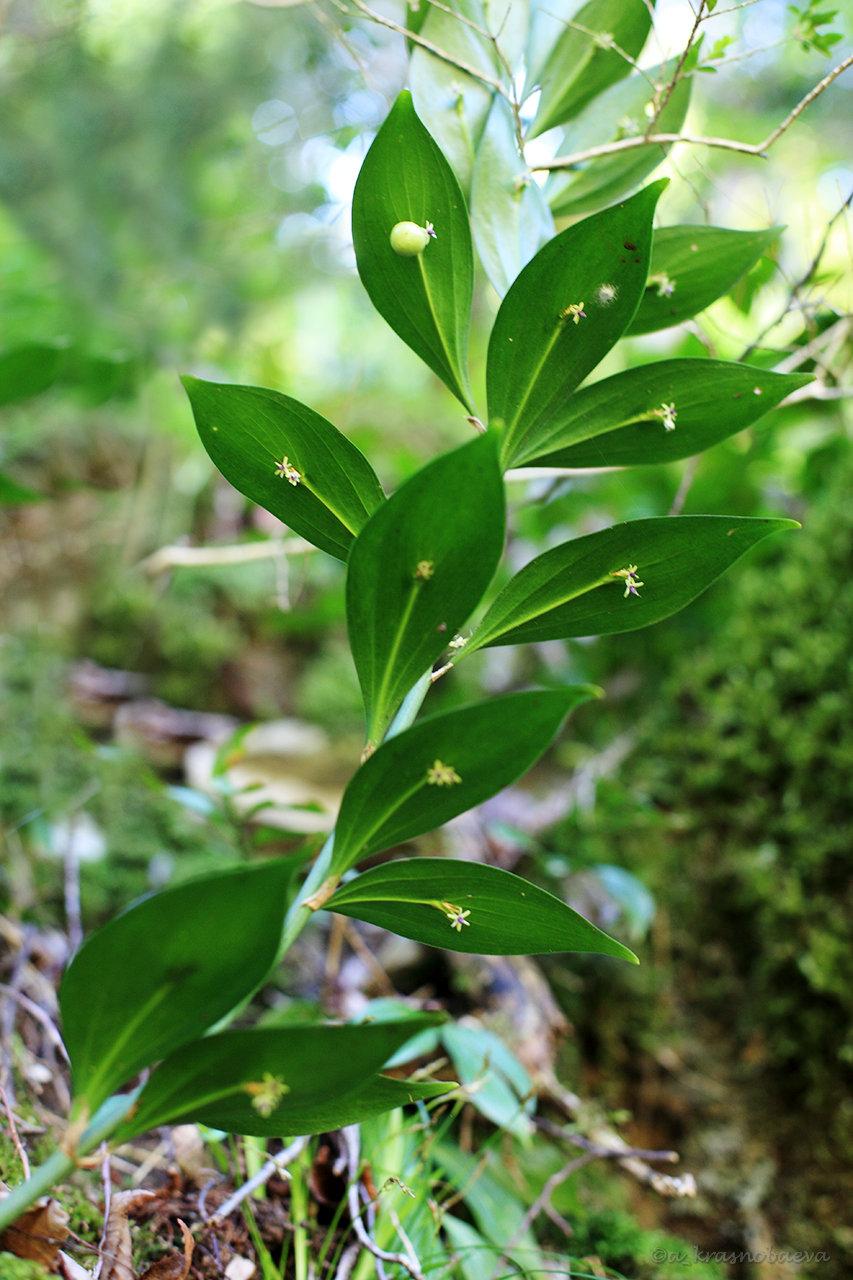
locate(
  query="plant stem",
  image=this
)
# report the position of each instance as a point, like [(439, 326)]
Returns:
[(61, 1163)]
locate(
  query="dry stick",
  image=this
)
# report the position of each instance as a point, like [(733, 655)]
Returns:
[(725, 144), (39, 1014), (408, 1260), (174, 557), (806, 276), (470, 70), (274, 1165), (22, 1155), (539, 1205), (669, 89), (607, 1142)]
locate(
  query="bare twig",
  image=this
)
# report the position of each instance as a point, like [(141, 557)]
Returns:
[(407, 1260), (434, 49), (669, 88), (539, 1205), (275, 1165), (804, 279), (39, 1014), (176, 557), (726, 144), (683, 489), (13, 1131)]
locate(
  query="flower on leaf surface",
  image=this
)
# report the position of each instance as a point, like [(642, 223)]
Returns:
[(285, 470), (267, 1093), (455, 915), (632, 582), (442, 775)]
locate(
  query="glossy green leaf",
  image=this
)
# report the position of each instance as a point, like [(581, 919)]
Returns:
[(501, 1088), (425, 298), (548, 19), (395, 795), (250, 431), (693, 266), (579, 588), (661, 412), (595, 50), (454, 103), (622, 107), (541, 348), (28, 370), (510, 217), (165, 970), (418, 569), (466, 906), (299, 1079)]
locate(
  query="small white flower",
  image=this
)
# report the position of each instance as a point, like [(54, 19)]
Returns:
[(632, 582), (665, 286), (285, 470), (667, 415), (455, 915), (574, 312)]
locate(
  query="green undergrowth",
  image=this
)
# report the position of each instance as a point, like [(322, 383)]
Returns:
[(734, 810), (53, 775)]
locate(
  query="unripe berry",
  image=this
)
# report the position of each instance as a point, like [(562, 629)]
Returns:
[(408, 239)]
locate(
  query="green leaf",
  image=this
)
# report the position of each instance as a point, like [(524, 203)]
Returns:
[(620, 111), (166, 969), (26, 371), (661, 412), (453, 103), (418, 569), (426, 298), (248, 431), (596, 49), (501, 1088), (420, 898), (579, 588), (693, 266), (299, 1079), (509, 214), (391, 798), (540, 348)]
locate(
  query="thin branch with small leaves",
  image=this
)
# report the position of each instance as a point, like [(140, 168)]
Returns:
[(759, 149)]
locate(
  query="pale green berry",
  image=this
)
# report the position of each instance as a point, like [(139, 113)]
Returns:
[(408, 239)]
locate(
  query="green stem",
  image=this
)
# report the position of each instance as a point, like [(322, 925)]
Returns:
[(61, 1163), (410, 705)]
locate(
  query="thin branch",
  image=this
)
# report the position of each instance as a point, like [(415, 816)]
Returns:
[(540, 1204), (407, 1260), (470, 70), (669, 89), (804, 279), (275, 1165), (13, 1131), (724, 144), (806, 101), (36, 1011), (175, 557)]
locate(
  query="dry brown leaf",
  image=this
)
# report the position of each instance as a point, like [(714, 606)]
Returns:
[(116, 1250), (37, 1234), (173, 1266)]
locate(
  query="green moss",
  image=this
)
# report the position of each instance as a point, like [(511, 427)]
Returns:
[(12, 1268)]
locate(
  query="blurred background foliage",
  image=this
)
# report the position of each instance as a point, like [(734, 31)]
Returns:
[(175, 180)]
